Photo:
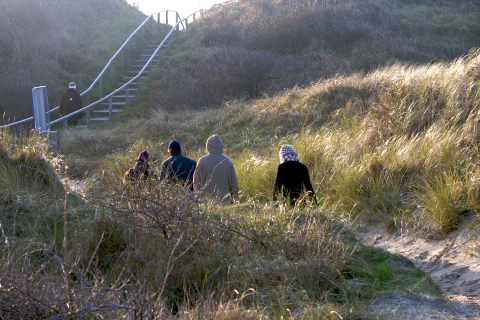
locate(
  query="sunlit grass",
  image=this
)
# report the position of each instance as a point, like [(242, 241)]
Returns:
[(367, 139)]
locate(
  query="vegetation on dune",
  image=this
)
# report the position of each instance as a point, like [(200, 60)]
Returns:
[(395, 145), (381, 144), (251, 48)]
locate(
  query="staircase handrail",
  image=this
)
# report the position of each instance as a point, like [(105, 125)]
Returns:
[(138, 76), (116, 54)]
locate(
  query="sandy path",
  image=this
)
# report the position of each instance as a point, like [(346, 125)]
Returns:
[(453, 263)]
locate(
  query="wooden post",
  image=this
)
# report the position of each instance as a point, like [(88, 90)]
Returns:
[(100, 88), (127, 96), (110, 108)]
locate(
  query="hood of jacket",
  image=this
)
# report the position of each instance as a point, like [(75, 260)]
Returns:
[(215, 145)]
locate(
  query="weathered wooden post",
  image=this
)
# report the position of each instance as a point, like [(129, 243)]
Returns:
[(127, 96), (110, 108), (100, 88)]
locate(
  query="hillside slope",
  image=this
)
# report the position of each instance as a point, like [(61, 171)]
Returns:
[(251, 48), (54, 42)]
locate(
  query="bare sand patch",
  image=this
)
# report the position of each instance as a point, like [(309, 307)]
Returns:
[(453, 263)]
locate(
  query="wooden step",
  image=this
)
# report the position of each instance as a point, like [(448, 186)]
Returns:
[(103, 111), (123, 96), (130, 88), (143, 62), (130, 78), (145, 72), (116, 103)]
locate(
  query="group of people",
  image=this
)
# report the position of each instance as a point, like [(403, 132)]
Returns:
[(214, 176)]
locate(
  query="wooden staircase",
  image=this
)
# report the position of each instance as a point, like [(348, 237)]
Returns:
[(119, 101)]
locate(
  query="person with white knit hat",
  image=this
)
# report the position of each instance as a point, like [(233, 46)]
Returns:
[(292, 180)]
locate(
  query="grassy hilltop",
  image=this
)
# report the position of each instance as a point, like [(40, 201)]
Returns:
[(383, 109)]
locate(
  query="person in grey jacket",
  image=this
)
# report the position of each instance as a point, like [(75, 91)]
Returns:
[(215, 176), (178, 168)]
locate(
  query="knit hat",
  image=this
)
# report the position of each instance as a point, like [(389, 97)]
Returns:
[(287, 154), (143, 156), (72, 85), (174, 146)]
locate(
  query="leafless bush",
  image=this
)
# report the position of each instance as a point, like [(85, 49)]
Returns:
[(148, 250), (40, 285), (160, 234), (219, 74)]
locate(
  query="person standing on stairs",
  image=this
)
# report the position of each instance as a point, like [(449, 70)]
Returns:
[(71, 101)]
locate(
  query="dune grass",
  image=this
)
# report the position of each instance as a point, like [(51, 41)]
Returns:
[(377, 145), (395, 146)]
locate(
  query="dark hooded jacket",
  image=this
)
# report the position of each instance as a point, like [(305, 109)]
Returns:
[(178, 169), (71, 101)]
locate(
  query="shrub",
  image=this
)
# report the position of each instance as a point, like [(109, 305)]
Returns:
[(220, 74)]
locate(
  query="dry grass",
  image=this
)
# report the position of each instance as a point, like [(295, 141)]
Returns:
[(397, 145), (371, 141)]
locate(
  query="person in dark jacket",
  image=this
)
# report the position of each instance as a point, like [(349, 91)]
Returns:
[(141, 171), (292, 180), (71, 101), (178, 168)]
